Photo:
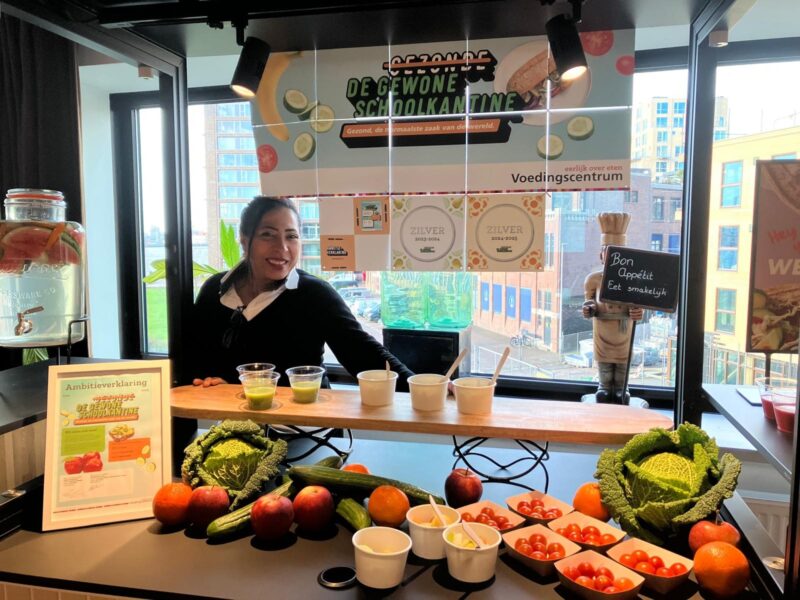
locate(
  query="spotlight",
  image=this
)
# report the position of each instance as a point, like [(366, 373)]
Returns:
[(565, 45), (250, 67)]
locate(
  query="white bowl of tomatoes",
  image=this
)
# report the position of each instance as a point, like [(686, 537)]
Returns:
[(596, 577), (663, 571), (538, 548), (538, 507), (589, 533)]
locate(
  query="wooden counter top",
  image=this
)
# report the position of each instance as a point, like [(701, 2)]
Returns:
[(511, 418)]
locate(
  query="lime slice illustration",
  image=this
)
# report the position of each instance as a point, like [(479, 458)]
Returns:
[(295, 101), (580, 128), (550, 147), (304, 146), (322, 118)]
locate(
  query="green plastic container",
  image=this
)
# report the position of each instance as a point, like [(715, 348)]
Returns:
[(449, 298), (403, 300)]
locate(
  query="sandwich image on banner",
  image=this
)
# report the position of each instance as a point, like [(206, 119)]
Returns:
[(428, 233)]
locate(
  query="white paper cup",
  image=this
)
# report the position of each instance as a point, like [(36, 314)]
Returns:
[(472, 565), (427, 540), (428, 391), (376, 388), (381, 554), (474, 395)]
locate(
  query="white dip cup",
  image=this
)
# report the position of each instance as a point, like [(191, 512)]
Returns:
[(377, 387), (472, 565), (474, 395), (428, 391), (381, 554), (427, 539)]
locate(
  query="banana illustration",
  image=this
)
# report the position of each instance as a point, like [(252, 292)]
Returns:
[(267, 94)]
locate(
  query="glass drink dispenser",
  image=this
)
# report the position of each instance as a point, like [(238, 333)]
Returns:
[(41, 270)]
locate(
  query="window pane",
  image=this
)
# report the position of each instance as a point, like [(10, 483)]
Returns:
[(731, 173), (731, 196)]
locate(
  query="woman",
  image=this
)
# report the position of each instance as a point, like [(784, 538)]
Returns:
[(266, 310)]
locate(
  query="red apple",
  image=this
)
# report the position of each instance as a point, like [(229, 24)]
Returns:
[(207, 503), (271, 517), (313, 508), (462, 487), (703, 532)]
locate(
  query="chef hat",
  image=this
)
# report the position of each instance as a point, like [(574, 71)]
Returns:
[(613, 226)]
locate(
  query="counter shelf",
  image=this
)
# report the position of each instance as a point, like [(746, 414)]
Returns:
[(518, 419)]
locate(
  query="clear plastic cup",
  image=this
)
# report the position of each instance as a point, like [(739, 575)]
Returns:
[(428, 391), (305, 382), (377, 387), (259, 388), (474, 395), (771, 389), (255, 368), (381, 554)]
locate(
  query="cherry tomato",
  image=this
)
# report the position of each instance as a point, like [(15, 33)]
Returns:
[(562, 531), (585, 581), (597, 43), (467, 517), (537, 502), (573, 527), (571, 573), (607, 538), (487, 510), (555, 555), (267, 158), (623, 583), (505, 526), (591, 539), (656, 561), (556, 512), (590, 530), (626, 64), (538, 555), (604, 571), (601, 582), (550, 515), (678, 569), (644, 567), (554, 547), (663, 572), (612, 589), (641, 556), (523, 548), (524, 510), (492, 523), (523, 504), (539, 546), (537, 538), (627, 560), (575, 536), (500, 520), (586, 568), (483, 518)]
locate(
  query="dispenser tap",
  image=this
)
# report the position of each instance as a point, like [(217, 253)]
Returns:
[(26, 325)]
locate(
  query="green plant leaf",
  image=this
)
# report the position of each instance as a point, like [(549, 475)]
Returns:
[(33, 355), (159, 271), (229, 245)]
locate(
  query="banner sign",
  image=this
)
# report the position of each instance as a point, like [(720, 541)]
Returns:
[(449, 117), (641, 278), (108, 444), (505, 232), (774, 306), (427, 233)]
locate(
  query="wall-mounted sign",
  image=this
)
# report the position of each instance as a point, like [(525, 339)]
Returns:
[(774, 307), (427, 233), (108, 442), (354, 233), (449, 117), (641, 278), (505, 232)]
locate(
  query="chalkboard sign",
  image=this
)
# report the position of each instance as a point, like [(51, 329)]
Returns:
[(641, 277)]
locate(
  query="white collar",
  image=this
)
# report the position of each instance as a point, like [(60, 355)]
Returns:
[(232, 300)]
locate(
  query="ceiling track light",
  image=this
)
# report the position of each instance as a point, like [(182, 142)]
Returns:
[(565, 43), (252, 61)]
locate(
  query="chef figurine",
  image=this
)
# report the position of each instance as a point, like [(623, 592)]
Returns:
[(611, 326)]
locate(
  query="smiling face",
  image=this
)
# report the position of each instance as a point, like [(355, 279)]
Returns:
[(274, 248)]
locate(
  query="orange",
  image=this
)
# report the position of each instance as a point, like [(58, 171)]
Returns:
[(721, 568), (171, 504), (587, 501), (356, 468), (388, 506)]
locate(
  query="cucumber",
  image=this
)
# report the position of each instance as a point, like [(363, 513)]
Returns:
[(360, 482), (580, 128), (354, 513), (295, 101), (550, 147), (304, 146), (322, 118), (306, 114), (334, 462)]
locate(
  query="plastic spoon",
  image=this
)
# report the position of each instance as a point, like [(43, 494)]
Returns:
[(436, 510), (388, 370), (472, 535), (456, 362), (500, 364)]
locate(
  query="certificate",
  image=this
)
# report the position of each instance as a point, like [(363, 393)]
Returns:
[(108, 442)]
